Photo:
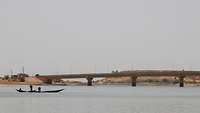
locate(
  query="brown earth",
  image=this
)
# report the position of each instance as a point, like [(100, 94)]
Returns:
[(28, 80)]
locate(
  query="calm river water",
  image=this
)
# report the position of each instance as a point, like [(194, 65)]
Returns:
[(102, 99)]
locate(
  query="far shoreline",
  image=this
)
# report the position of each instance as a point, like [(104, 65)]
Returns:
[(106, 84)]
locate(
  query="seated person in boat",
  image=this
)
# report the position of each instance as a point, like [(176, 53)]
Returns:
[(39, 89), (31, 88)]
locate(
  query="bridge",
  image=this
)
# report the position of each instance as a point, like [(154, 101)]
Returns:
[(132, 74)]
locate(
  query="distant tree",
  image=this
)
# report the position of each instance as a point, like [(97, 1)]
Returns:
[(6, 77), (37, 75), (115, 71)]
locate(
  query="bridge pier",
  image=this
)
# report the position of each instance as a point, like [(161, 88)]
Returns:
[(133, 81), (181, 81), (89, 79)]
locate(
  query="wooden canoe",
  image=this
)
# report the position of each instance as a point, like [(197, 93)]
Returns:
[(34, 91)]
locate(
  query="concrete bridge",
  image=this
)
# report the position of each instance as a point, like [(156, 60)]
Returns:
[(132, 74)]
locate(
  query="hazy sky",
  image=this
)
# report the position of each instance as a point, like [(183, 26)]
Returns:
[(81, 36)]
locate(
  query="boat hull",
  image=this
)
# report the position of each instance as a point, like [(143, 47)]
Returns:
[(34, 91)]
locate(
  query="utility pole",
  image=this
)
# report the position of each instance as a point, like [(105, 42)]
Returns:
[(11, 71), (23, 69)]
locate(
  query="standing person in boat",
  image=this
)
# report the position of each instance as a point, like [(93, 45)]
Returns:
[(39, 89), (31, 88)]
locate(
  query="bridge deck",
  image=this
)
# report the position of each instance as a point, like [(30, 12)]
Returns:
[(138, 73)]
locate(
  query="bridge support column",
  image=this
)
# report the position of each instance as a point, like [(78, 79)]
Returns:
[(89, 79), (133, 81), (181, 81)]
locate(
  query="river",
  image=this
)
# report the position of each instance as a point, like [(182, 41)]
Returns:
[(102, 99)]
